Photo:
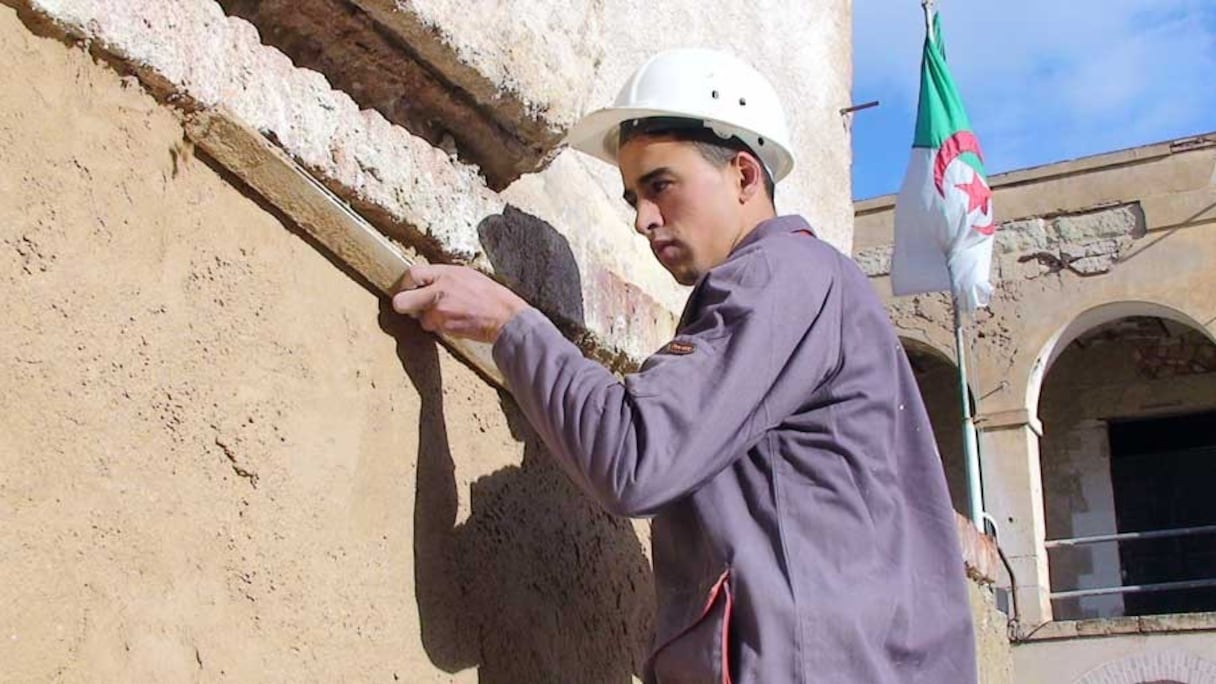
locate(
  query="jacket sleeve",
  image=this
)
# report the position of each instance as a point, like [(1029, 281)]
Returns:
[(760, 341)]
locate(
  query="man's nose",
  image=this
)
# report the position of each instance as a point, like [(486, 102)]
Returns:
[(647, 218)]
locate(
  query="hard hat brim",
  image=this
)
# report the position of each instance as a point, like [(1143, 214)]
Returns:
[(597, 135)]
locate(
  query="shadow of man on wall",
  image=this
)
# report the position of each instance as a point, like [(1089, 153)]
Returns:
[(538, 584), (535, 261)]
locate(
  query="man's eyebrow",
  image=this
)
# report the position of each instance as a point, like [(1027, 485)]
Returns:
[(631, 197)]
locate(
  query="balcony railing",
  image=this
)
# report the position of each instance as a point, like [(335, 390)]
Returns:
[(1128, 536)]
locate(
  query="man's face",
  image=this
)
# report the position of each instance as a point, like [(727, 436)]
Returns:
[(687, 207)]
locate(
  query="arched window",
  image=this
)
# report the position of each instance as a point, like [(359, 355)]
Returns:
[(1128, 458)]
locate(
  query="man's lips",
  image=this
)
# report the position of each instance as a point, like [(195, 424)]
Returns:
[(665, 250)]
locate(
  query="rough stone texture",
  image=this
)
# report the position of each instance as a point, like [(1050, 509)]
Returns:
[(1021, 236), (993, 649), (488, 77), (1086, 243), (875, 261), (192, 50), (1144, 624), (221, 460), (537, 63), (191, 54), (381, 72), (534, 71), (1115, 222)]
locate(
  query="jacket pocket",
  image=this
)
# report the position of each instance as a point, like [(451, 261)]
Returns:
[(699, 654)]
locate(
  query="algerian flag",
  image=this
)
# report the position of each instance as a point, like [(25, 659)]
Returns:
[(943, 216)]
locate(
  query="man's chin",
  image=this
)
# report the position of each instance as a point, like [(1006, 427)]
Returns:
[(683, 276), (681, 272)]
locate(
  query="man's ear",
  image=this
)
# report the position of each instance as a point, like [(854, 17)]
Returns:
[(751, 176)]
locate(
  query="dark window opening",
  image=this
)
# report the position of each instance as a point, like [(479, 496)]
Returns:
[(1163, 471)]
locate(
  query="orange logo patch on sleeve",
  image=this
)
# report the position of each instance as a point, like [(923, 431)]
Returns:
[(679, 348)]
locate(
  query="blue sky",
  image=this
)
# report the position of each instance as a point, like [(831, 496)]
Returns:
[(1042, 80)]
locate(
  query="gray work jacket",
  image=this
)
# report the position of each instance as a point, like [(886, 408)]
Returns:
[(802, 528)]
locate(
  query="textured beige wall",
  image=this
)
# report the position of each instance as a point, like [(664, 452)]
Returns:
[(993, 650), (1118, 659), (220, 460)]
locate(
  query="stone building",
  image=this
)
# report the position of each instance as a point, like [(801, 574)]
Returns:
[(221, 458), (1094, 383)]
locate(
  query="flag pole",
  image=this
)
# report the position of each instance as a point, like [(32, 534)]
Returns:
[(971, 456), (975, 498)]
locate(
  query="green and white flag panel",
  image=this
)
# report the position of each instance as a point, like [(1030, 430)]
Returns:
[(943, 216)]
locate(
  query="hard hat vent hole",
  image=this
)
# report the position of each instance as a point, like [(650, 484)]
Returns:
[(714, 94), (742, 102)]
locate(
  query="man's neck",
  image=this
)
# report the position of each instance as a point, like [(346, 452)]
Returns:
[(751, 221)]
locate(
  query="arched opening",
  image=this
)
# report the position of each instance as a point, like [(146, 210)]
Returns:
[(1088, 320), (1128, 455), (937, 378)]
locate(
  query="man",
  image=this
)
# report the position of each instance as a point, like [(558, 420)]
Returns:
[(802, 528)]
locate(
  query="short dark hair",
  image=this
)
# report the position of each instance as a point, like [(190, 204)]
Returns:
[(714, 148)]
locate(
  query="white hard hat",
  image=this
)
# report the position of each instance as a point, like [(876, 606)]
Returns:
[(716, 88)]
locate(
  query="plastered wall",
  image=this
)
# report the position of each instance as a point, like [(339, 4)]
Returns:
[(220, 459)]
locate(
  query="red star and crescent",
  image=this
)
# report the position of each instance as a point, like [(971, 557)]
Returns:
[(978, 193)]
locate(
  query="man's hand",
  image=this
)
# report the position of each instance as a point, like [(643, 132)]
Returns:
[(456, 301)]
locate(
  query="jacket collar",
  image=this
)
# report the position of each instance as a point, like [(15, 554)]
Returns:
[(775, 226)]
